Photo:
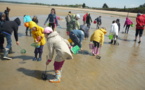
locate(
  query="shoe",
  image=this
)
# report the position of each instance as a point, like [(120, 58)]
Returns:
[(7, 58), (139, 42), (38, 59), (34, 59), (54, 80)]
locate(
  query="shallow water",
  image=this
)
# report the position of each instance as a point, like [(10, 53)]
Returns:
[(120, 68)]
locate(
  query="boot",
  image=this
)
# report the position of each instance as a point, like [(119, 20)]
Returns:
[(114, 42), (11, 51), (6, 54), (111, 41), (57, 78)]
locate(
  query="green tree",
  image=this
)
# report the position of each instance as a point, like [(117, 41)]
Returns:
[(105, 5), (84, 5)]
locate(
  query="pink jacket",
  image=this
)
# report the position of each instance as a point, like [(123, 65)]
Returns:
[(128, 22), (84, 17)]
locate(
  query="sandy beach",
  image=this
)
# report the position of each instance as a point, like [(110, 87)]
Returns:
[(120, 68)]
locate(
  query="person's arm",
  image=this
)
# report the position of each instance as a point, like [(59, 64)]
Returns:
[(16, 34), (102, 40), (47, 19), (56, 21), (51, 51)]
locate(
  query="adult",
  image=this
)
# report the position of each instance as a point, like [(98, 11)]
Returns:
[(7, 29), (7, 13), (140, 24), (2, 20), (118, 23), (77, 36), (68, 19), (52, 19), (99, 22), (84, 18), (127, 24), (88, 20)]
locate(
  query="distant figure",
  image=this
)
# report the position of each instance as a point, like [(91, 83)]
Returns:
[(118, 23), (2, 20), (98, 40), (77, 24), (114, 32), (35, 19), (99, 22), (69, 25), (7, 13), (140, 24), (7, 29), (127, 24), (84, 18), (88, 20), (52, 19), (27, 18)]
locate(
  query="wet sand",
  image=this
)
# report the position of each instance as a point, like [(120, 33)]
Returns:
[(120, 68)]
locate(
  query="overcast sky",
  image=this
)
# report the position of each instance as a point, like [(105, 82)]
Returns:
[(90, 3)]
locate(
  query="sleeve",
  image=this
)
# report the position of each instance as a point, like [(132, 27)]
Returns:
[(51, 51), (102, 41), (16, 32), (47, 19), (77, 25)]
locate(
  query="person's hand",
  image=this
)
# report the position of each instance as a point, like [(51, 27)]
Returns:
[(17, 42), (48, 61)]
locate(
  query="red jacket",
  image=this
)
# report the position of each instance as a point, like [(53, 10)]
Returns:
[(84, 17), (140, 21)]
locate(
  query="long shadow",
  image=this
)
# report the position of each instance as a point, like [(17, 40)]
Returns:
[(23, 57), (35, 73)]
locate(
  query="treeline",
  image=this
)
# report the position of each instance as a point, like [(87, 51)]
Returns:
[(140, 9)]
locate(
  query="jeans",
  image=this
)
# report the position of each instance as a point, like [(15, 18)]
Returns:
[(9, 40)]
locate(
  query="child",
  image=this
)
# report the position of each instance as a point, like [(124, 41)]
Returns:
[(39, 37), (127, 24), (98, 39), (99, 22), (61, 46), (118, 23), (35, 19), (27, 18), (114, 32)]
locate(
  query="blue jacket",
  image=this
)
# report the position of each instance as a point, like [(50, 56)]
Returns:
[(27, 18), (79, 34), (52, 19)]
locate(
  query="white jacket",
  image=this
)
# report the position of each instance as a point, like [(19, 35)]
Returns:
[(60, 45), (114, 29)]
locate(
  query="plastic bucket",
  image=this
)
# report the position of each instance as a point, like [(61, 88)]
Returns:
[(132, 25), (75, 49), (111, 37)]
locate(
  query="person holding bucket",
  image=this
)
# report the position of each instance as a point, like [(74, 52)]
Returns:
[(61, 46), (127, 24), (114, 32), (39, 38), (98, 39)]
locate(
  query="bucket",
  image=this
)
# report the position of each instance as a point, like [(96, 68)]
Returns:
[(111, 37), (75, 49)]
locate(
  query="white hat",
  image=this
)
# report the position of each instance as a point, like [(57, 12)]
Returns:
[(78, 16)]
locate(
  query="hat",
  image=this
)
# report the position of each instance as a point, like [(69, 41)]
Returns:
[(78, 16), (48, 30)]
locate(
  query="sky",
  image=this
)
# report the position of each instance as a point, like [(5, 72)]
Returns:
[(90, 3)]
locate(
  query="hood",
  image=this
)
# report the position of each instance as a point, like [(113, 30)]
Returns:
[(103, 30), (53, 34), (32, 24), (17, 20)]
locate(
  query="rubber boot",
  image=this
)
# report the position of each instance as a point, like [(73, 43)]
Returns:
[(114, 42), (6, 54), (57, 77), (111, 41)]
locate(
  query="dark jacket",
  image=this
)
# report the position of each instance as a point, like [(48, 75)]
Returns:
[(10, 26), (88, 19)]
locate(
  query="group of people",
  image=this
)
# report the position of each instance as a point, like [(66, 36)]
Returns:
[(55, 42)]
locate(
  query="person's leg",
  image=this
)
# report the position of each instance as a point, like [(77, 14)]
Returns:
[(128, 26), (140, 35), (36, 54), (94, 48), (136, 34), (58, 69), (1, 42), (9, 44), (26, 31), (40, 53)]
